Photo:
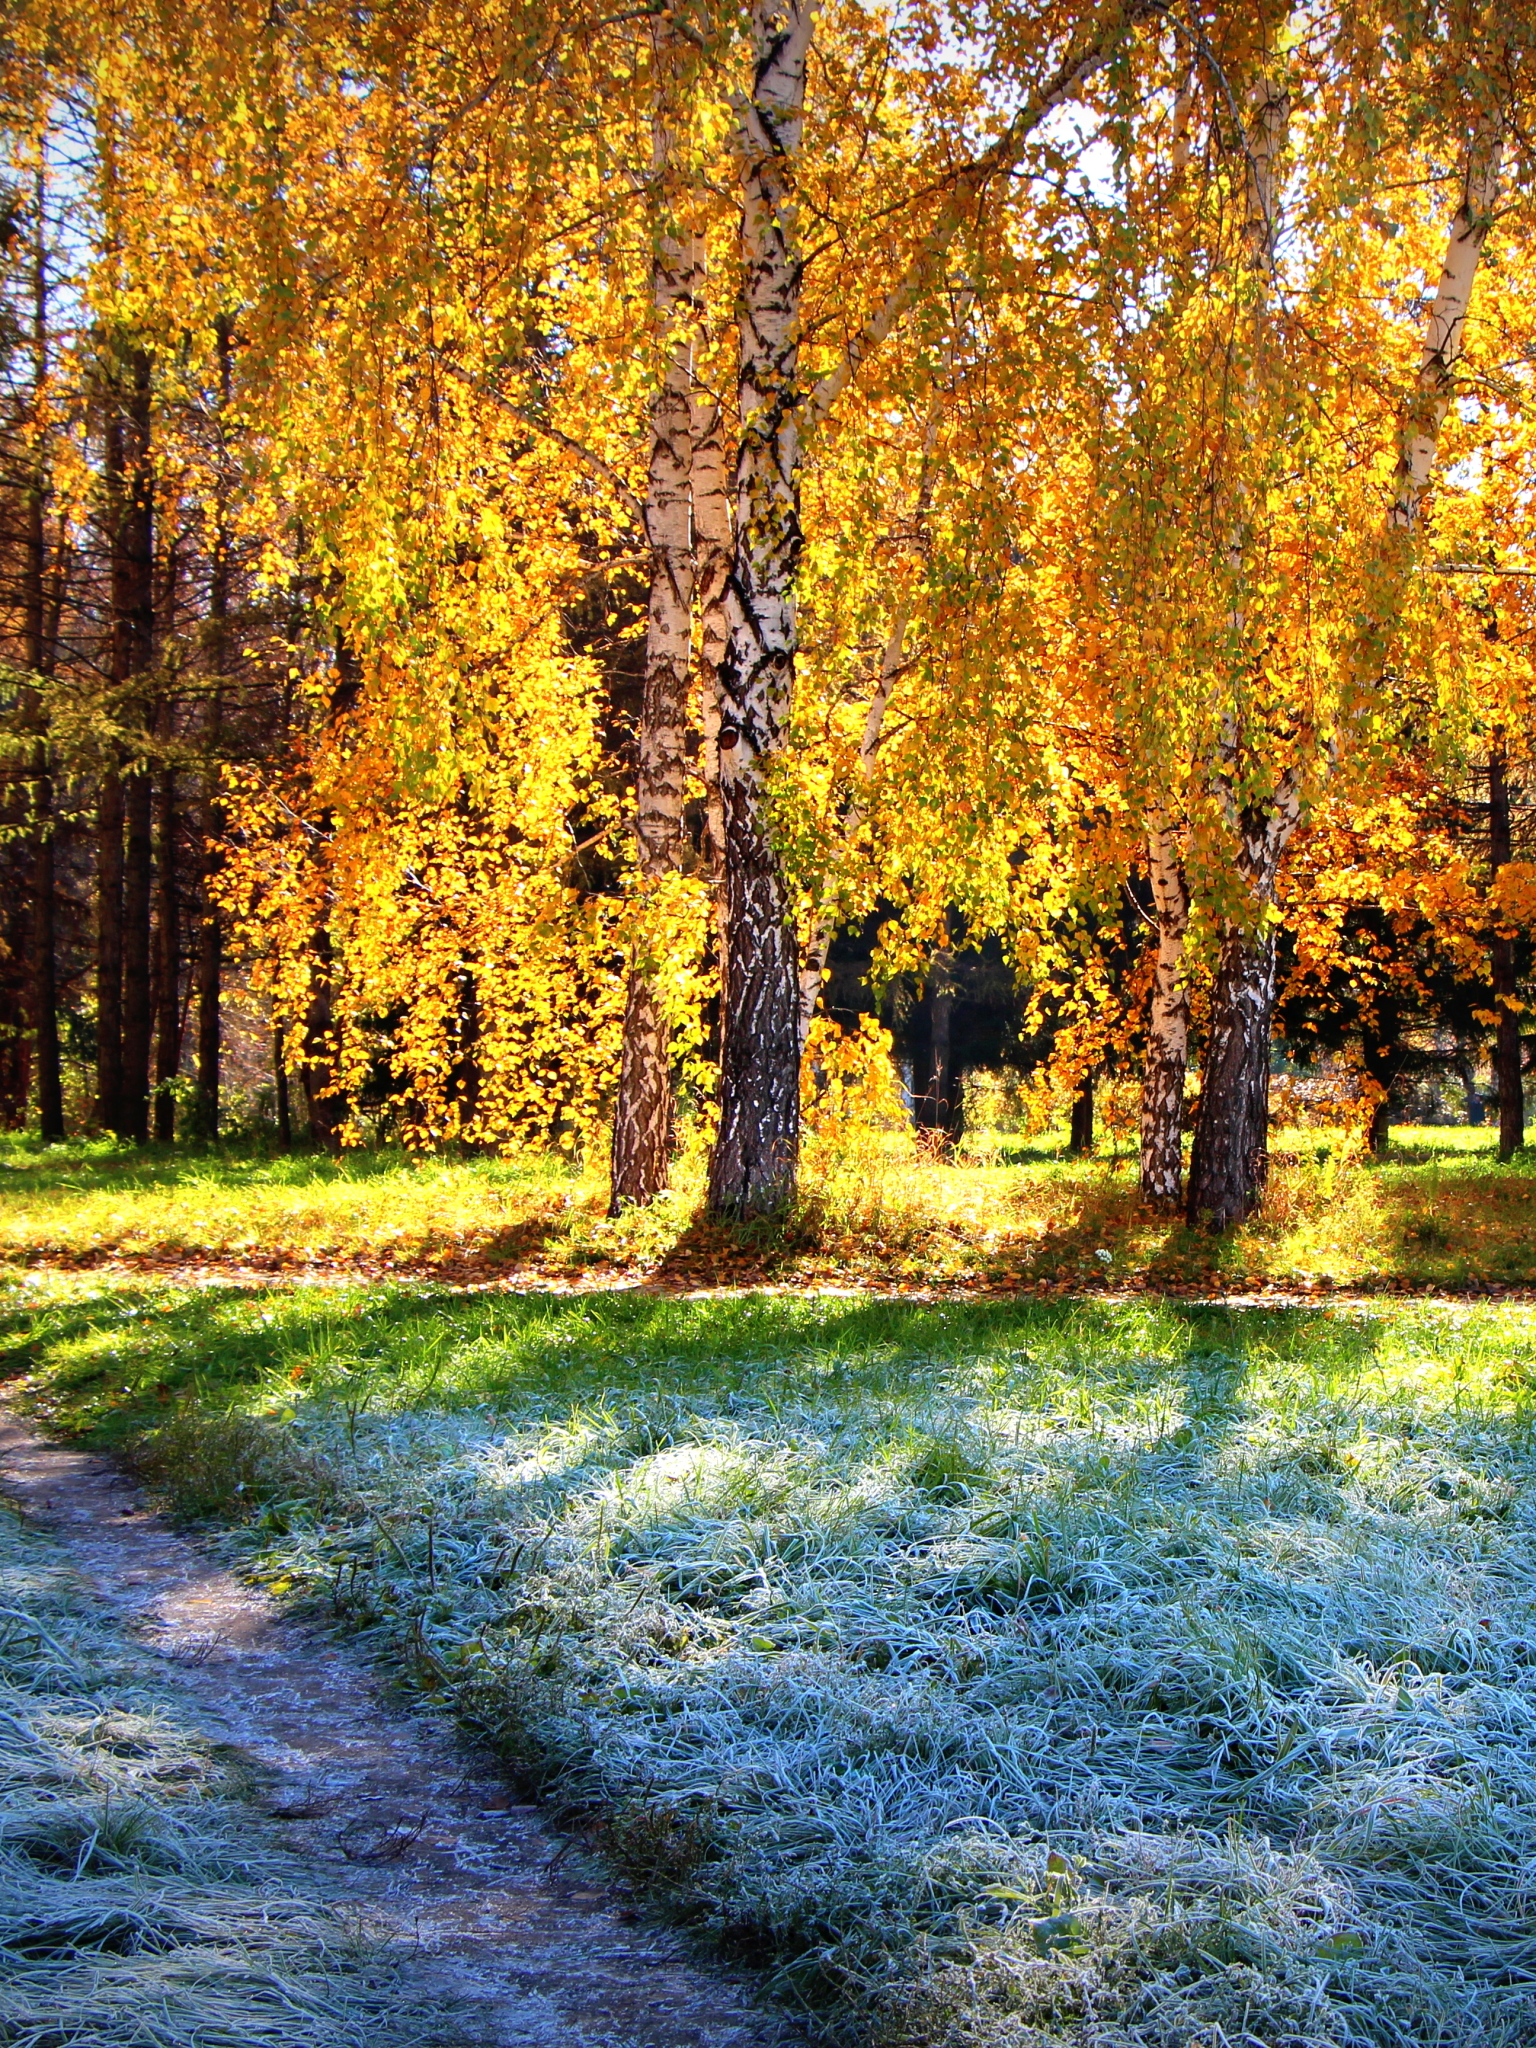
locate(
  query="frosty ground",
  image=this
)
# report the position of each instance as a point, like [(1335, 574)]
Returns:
[(986, 1673)]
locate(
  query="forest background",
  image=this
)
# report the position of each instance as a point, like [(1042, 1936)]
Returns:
[(534, 538)]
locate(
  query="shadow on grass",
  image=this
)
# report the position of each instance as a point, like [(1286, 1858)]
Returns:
[(113, 1360)]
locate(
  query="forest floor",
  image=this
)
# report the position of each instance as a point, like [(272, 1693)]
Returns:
[(995, 1674), (1438, 1214)]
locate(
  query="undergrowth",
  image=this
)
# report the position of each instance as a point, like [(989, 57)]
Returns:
[(1120, 1678), (135, 1911), (875, 1209)]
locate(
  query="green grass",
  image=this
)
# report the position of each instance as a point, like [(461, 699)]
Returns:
[(1006, 1215), (138, 1906), (1001, 1675)]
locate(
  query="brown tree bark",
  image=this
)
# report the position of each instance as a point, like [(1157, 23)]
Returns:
[(209, 965), (138, 1006), (317, 1042), (39, 653), (1080, 1135), (123, 813), (109, 951), (280, 1091), (1230, 1160), (1167, 1059), (1508, 1053), (167, 959), (938, 1105)]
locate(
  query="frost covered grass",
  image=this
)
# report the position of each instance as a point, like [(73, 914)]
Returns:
[(135, 1911), (877, 1210), (1002, 1676)]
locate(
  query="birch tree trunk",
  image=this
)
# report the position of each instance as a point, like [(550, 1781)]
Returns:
[(1167, 1058), (1230, 1155), (752, 1168), (643, 1131), (713, 549)]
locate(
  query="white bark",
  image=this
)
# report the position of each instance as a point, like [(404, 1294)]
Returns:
[(713, 542), (1445, 330), (643, 1116), (753, 1166)]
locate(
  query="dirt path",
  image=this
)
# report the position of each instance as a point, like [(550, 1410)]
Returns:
[(400, 1822), (469, 1277)]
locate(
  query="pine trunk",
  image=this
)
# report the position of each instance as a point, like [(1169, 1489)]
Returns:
[(167, 965), (109, 952), (1508, 1053), (209, 967), (753, 1167), (209, 970), (643, 1124), (123, 870), (1230, 1160), (40, 644), (1167, 1058), (137, 1003)]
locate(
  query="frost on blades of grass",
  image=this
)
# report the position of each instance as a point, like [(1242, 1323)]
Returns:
[(135, 1911), (1106, 1698)]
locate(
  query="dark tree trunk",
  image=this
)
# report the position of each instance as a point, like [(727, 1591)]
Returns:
[(1080, 1141), (317, 1070), (109, 952), (44, 1004), (280, 1091), (1382, 1061), (752, 1167), (938, 1105), (123, 992), (167, 965), (209, 970), (45, 984), (1508, 1059), (138, 874), (464, 1075), (1230, 1160), (210, 942)]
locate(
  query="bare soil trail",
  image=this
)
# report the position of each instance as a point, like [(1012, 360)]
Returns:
[(748, 1274), (400, 1822)]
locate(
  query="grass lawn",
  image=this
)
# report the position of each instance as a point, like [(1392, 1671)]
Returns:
[(1008, 1215), (139, 1908), (1026, 1674)]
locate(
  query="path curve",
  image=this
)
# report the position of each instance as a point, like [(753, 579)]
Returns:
[(400, 1822)]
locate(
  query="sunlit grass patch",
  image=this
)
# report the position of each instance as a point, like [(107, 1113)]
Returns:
[(876, 1211), (1111, 1671)]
